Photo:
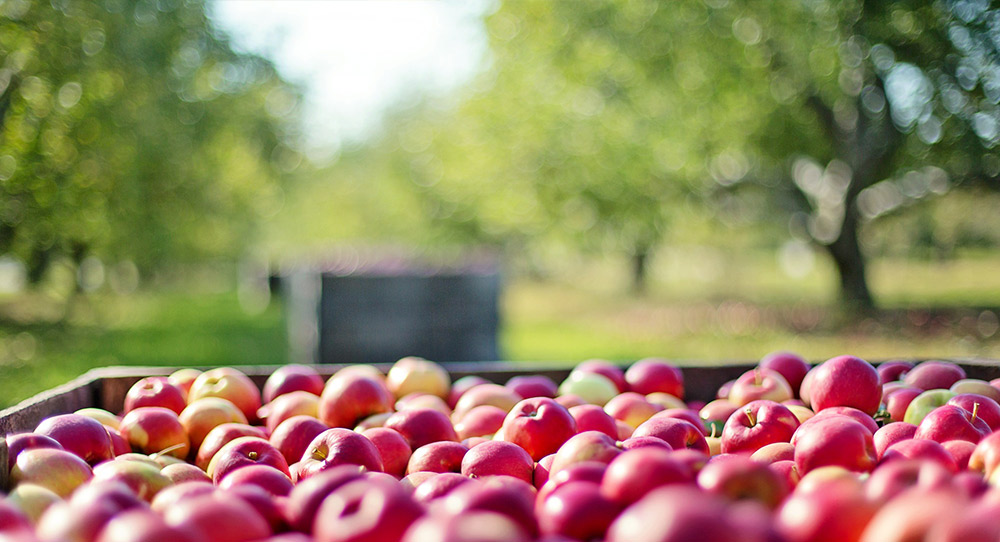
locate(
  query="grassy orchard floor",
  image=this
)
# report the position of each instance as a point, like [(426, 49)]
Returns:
[(696, 320)]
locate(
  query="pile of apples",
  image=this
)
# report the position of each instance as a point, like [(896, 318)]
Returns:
[(843, 451)]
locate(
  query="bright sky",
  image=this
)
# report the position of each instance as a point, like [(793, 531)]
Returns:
[(356, 57)]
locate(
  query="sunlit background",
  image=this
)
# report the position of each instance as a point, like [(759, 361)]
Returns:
[(707, 183)]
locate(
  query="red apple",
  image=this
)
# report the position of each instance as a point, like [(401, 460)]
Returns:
[(474, 526), (175, 494), (738, 477), (498, 457), (836, 440), (242, 452), (219, 518), (443, 456), (266, 477), (757, 424), (593, 418), (19, 442), (528, 386), (485, 394), (917, 448), (462, 385), (438, 486), (305, 499), (366, 510), (634, 473), (292, 377), (58, 470), (631, 408), (269, 506), (833, 512), (894, 477), (605, 368), (339, 446), (932, 375), (758, 384), (153, 429), (975, 386), (774, 452), (348, 399), (632, 443), (227, 383), (790, 365), (912, 514), (392, 448), (961, 451), (891, 371), (203, 415), (679, 434), (896, 402), (184, 472), (83, 436), (141, 525), (420, 426), (849, 412), (985, 408), (481, 421), (585, 446), (423, 400), (293, 436), (846, 381), (221, 435), (143, 478), (950, 422), (986, 457), (538, 425), (715, 414), (156, 391), (675, 513), (293, 403), (590, 471), (655, 375), (577, 510), (890, 434), (511, 497)]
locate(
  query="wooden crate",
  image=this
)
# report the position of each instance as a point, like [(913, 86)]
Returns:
[(106, 387)]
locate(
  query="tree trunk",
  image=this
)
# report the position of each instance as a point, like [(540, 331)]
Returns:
[(640, 270), (851, 266)]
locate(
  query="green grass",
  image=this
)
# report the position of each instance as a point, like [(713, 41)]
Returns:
[(741, 313), (40, 348)]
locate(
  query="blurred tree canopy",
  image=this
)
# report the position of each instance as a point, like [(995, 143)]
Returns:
[(602, 122), (131, 131)]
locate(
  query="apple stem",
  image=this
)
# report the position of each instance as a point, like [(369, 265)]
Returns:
[(975, 411), (320, 453), (715, 429), (756, 377), (167, 450), (749, 413)]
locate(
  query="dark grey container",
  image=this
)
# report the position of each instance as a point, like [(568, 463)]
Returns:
[(379, 316)]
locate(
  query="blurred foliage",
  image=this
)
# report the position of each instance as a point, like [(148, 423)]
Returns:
[(130, 131), (605, 125)]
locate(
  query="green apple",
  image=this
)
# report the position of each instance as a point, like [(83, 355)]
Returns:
[(591, 387), (924, 403)]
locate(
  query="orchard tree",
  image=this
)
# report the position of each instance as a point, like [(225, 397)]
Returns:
[(861, 108), (132, 131), (596, 119)]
